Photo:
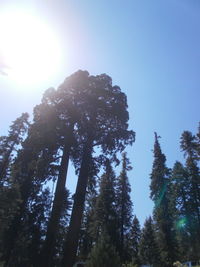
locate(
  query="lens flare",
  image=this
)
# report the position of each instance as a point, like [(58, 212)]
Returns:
[(181, 223), (29, 46)]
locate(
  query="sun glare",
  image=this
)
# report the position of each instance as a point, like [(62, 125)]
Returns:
[(30, 48)]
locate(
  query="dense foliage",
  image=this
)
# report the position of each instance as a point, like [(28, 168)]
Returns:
[(85, 121)]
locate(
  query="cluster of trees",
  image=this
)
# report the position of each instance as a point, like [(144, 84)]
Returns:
[(176, 195), (85, 121), (172, 233)]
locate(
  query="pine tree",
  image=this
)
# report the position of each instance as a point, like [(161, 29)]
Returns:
[(124, 205), (105, 218), (198, 142), (9, 144), (134, 241), (86, 239), (183, 219), (148, 248), (30, 170), (189, 146), (103, 254), (160, 194)]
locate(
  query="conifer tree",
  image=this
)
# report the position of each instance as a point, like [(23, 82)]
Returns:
[(31, 168), (148, 248), (124, 205), (105, 219), (103, 254), (198, 142), (86, 238), (134, 241), (189, 146), (183, 217), (163, 215), (8, 145), (105, 126)]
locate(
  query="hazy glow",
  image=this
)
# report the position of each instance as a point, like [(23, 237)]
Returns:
[(30, 48), (161, 195), (181, 223)]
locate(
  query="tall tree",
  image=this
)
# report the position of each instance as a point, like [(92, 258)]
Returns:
[(31, 168), (189, 146), (183, 218), (104, 124), (105, 219), (124, 205), (103, 254), (148, 248), (86, 238), (160, 181), (134, 241), (9, 191), (8, 144)]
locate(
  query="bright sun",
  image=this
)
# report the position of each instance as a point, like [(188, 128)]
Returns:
[(29, 47)]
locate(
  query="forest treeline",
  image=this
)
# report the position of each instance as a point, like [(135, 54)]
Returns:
[(85, 121)]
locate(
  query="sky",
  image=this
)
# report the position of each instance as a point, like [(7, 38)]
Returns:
[(151, 49)]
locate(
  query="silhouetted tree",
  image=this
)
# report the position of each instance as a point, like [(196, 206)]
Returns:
[(163, 215), (148, 248), (9, 144), (134, 241), (189, 146), (124, 205), (103, 254), (104, 124)]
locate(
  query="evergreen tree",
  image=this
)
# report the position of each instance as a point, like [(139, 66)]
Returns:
[(103, 254), (134, 241), (183, 218), (9, 144), (148, 248), (163, 215), (86, 238), (198, 142), (124, 206), (105, 219), (104, 125), (30, 170), (189, 146)]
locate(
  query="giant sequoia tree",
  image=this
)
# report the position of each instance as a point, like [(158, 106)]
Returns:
[(85, 119), (103, 124), (90, 113)]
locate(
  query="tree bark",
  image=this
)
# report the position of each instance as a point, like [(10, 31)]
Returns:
[(53, 225), (71, 244)]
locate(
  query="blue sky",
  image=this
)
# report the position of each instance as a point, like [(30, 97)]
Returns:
[(151, 49)]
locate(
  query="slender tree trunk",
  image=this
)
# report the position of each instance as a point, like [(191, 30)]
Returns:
[(53, 225), (71, 244)]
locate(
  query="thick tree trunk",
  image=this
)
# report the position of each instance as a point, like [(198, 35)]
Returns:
[(71, 245), (52, 229)]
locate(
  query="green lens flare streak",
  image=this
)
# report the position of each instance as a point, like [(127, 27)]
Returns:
[(181, 223), (161, 195)]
